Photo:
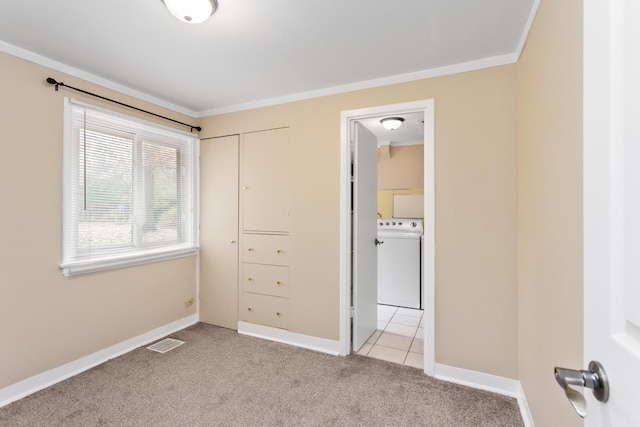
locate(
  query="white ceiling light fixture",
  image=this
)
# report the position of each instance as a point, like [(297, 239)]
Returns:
[(191, 11), (392, 123)]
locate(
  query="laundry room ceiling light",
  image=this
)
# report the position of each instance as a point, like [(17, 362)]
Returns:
[(191, 11), (392, 123)]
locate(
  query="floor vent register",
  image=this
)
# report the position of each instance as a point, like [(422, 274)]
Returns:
[(165, 345)]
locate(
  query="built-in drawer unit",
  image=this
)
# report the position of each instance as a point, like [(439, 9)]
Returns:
[(265, 310), (270, 249), (265, 279)]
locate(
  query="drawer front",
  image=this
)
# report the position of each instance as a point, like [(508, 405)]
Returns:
[(265, 249), (265, 310), (265, 279)]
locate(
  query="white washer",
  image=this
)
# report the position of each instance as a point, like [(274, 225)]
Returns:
[(399, 263)]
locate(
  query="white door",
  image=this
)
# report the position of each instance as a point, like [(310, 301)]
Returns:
[(612, 206), (219, 231), (365, 257)]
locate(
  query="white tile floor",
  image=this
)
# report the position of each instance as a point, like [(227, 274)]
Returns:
[(399, 337)]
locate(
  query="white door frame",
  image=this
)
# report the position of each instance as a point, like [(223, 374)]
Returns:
[(428, 266)]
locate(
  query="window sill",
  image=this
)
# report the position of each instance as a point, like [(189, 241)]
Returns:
[(76, 268)]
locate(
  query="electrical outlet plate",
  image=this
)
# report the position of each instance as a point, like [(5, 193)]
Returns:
[(188, 303)]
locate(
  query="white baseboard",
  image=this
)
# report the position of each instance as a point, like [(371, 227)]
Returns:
[(524, 408), (488, 382), (281, 335), (46, 379)]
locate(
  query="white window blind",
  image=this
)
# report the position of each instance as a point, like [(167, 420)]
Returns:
[(130, 191)]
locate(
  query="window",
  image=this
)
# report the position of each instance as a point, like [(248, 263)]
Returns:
[(130, 191)]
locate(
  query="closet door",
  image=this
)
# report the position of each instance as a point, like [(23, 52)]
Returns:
[(266, 181), (219, 231)]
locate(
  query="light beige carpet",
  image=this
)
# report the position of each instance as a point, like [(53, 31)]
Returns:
[(220, 378)]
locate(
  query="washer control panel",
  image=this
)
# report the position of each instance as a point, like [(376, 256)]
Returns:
[(400, 225)]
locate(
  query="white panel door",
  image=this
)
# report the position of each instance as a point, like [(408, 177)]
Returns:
[(612, 206), (219, 231), (365, 265)]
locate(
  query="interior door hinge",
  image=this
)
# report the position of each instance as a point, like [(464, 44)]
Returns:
[(352, 312)]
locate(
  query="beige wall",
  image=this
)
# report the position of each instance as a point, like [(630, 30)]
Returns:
[(386, 199), (402, 173), (549, 86), (404, 170), (46, 319), (476, 184)]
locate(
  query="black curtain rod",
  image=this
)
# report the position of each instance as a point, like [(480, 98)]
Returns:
[(53, 81)]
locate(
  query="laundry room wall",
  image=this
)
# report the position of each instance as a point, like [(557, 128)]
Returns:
[(476, 181), (401, 173), (403, 170)]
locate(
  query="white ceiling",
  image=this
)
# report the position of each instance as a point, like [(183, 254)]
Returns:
[(256, 52)]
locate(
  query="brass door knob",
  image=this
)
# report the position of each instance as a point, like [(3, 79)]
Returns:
[(278, 282), (246, 187), (250, 279), (250, 249), (277, 313), (249, 309), (279, 251), (232, 241)]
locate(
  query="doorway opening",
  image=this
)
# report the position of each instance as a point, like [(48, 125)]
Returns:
[(358, 226)]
